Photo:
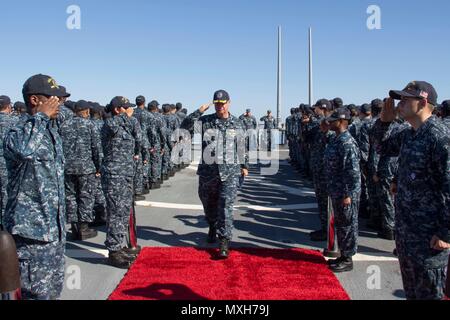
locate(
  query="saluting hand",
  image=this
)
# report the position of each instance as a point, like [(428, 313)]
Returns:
[(388, 111), (205, 107), (49, 107)]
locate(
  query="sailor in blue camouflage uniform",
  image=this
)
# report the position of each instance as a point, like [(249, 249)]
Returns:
[(157, 141), (20, 110), (97, 115), (142, 168), (355, 126), (120, 152), (269, 125), (219, 175), (422, 189), (386, 170), (365, 114), (251, 126), (7, 120), (35, 212), (289, 134), (344, 187), (181, 115), (369, 163), (318, 140), (83, 154), (171, 125)]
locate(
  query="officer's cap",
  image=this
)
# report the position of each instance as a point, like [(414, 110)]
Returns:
[(221, 96), (418, 90), (43, 85), (340, 114), (4, 101)]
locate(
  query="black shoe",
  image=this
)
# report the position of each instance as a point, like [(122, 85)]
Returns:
[(146, 191), (119, 260), (156, 186), (139, 198), (165, 177), (98, 223), (212, 235), (333, 262), (344, 265), (133, 251), (224, 249), (386, 234), (81, 231), (374, 225), (318, 236)]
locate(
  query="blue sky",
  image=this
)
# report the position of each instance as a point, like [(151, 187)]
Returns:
[(184, 50)]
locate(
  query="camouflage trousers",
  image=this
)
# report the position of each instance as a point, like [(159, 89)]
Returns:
[(3, 193), (364, 199), (421, 282), (100, 201), (374, 201), (119, 202), (320, 189), (155, 167), (386, 203), (291, 148), (346, 222), (79, 200), (218, 199), (42, 268), (165, 165), (138, 176)]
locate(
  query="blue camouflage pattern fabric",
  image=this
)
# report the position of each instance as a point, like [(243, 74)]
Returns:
[(369, 163), (99, 198), (318, 141), (141, 148), (421, 204), (250, 123), (170, 127), (42, 268), (386, 170), (119, 149), (157, 141), (343, 171), (35, 212), (34, 157), (355, 128), (219, 179), (83, 154), (269, 125), (7, 121)]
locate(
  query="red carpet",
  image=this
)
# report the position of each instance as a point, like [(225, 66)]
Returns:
[(249, 274)]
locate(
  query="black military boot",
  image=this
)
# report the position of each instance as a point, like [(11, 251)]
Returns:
[(224, 249), (139, 197), (133, 251), (318, 236), (81, 231), (386, 234), (212, 235), (344, 265), (119, 260), (165, 177), (374, 225), (333, 262), (146, 190)]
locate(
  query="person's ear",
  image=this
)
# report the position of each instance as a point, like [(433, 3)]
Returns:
[(34, 100)]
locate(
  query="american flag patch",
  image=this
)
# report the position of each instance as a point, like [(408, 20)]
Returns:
[(424, 94)]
